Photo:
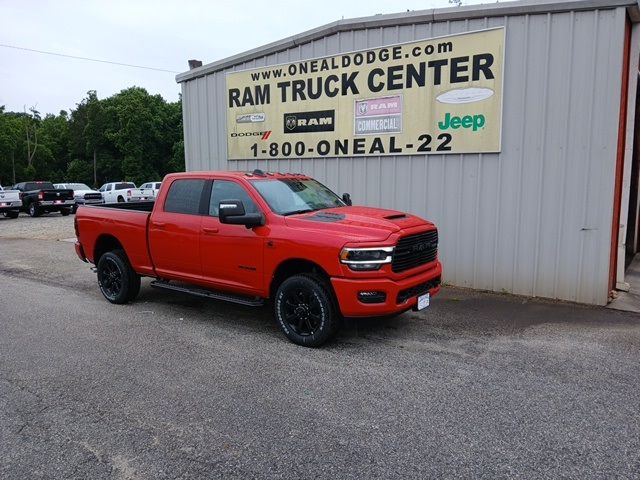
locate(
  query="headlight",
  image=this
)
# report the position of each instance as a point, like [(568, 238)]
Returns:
[(362, 259)]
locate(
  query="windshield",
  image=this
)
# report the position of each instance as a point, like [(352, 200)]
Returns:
[(290, 196), (78, 186)]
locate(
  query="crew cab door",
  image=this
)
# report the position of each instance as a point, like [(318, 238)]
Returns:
[(232, 255), (174, 229)]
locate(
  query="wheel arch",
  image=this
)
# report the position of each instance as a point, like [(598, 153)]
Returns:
[(105, 243), (295, 266)]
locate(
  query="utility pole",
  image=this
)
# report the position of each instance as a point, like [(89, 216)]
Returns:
[(13, 165), (95, 180)]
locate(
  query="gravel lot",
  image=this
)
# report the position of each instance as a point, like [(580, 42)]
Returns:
[(52, 226), (171, 386)]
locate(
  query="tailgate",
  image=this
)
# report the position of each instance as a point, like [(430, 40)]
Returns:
[(53, 195)]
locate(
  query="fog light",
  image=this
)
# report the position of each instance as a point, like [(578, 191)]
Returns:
[(372, 297)]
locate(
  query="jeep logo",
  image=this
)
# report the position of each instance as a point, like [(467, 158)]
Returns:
[(474, 122), (302, 122)]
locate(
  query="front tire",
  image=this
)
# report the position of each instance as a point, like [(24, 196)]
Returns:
[(118, 282), (65, 211), (11, 214), (304, 310)]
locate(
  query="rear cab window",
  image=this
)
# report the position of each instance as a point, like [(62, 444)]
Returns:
[(186, 196)]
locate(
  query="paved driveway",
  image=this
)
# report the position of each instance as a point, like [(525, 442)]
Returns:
[(478, 386)]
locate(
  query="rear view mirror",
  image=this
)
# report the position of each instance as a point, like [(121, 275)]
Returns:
[(232, 212), (346, 198)]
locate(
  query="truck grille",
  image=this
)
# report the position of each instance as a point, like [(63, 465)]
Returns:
[(415, 250), (93, 196)]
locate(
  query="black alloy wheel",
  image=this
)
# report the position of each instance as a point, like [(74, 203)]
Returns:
[(118, 282), (304, 310)]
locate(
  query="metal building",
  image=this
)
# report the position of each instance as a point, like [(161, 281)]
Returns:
[(552, 211)]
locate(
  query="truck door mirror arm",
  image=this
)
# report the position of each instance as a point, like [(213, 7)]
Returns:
[(232, 212), (346, 198)]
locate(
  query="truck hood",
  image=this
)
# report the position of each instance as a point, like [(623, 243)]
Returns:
[(83, 192), (356, 223)]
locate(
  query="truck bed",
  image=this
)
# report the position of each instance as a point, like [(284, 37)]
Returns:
[(140, 206), (96, 225)]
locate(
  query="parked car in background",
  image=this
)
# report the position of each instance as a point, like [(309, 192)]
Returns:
[(119, 192), (154, 186), (42, 197), (82, 194), (10, 202)]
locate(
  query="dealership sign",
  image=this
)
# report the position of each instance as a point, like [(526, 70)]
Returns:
[(442, 95)]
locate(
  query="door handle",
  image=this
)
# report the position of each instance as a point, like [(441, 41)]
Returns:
[(159, 224), (210, 230)]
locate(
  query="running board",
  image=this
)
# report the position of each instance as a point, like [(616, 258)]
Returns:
[(201, 292)]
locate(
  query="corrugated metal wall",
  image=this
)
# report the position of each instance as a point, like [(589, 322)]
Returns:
[(534, 219)]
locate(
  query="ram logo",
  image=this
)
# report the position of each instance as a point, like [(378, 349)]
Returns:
[(304, 122)]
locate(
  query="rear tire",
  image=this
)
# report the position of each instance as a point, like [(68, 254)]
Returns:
[(11, 214), (118, 282), (304, 310), (65, 211), (120, 200), (34, 211)]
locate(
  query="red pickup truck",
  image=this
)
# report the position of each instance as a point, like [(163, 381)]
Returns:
[(250, 237)]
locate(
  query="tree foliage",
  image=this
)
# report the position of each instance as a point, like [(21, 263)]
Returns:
[(130, 136)]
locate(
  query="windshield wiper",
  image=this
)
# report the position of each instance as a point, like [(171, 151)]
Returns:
[(295, 212)]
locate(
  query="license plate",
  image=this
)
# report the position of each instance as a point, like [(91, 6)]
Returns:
[(58, 201), (3, 204), (423, 301)]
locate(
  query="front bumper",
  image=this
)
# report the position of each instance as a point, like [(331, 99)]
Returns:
[(90, 201), (399, 297)]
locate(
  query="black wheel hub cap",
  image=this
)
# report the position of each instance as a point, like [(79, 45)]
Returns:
[(111, 279), (302, 311)]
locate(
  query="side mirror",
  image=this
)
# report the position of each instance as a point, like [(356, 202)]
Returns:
[(232, 212), (346, 198)]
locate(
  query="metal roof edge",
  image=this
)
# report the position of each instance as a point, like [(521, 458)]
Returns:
[(511, 8)]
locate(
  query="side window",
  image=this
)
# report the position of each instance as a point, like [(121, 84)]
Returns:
[(227, 190), (184, 196)]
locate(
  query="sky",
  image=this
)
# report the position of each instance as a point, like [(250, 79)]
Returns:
[(161, 34)]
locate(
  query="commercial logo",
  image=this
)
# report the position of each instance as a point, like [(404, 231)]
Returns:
[(251, 117), (304, 122), (474, 122), (374, 116), (264, 135)]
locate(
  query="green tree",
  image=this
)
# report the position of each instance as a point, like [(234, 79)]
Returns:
[(10, 140)]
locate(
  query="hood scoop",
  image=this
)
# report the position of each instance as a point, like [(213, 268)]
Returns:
[(326, 217), (395, 216)]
